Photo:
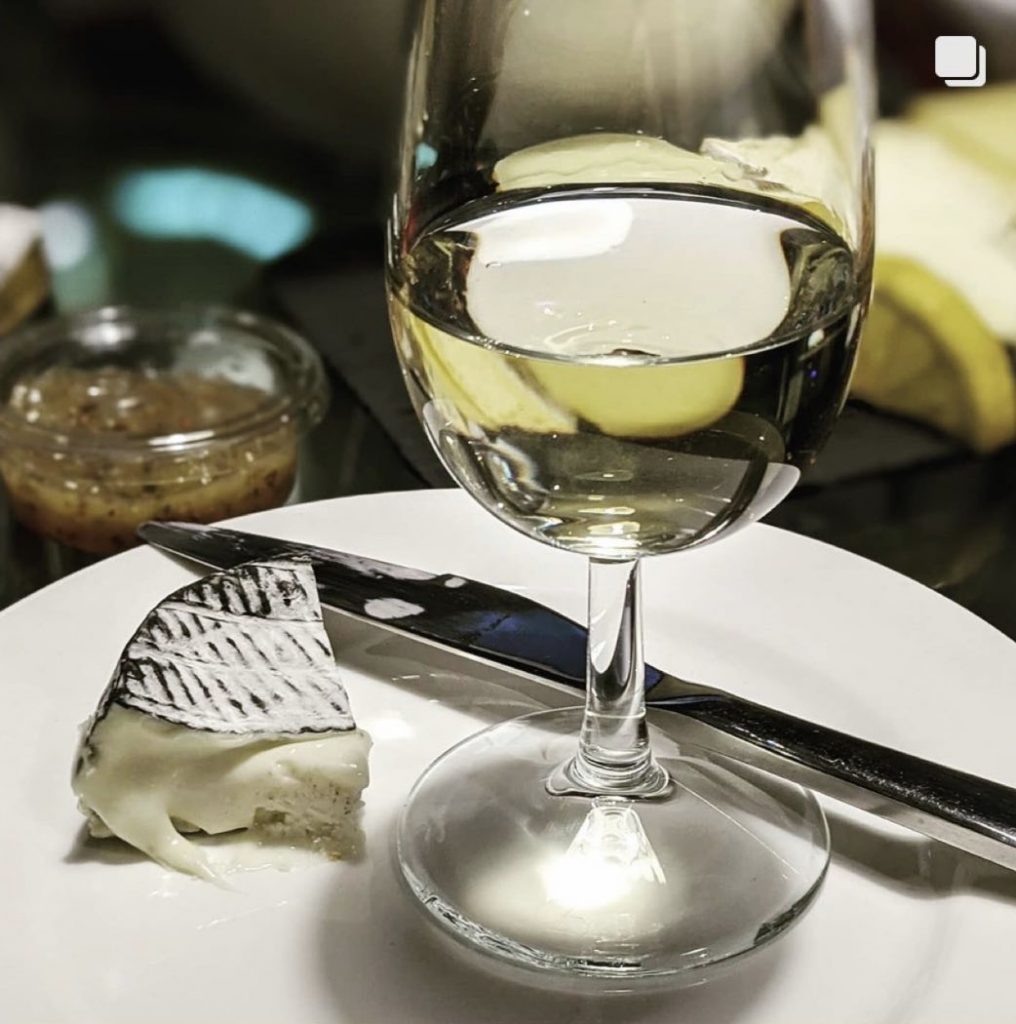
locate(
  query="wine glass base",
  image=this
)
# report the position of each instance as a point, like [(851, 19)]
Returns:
[(608, 887)]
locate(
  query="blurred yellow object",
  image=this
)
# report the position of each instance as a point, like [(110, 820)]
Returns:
[(934, 346), (24, 275), (604, 158), (979, 123), (480, 386), (645, 401), (936, 207), (777, 166), (927, 354)]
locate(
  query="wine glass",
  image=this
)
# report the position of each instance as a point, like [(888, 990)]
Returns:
[(628, 259)]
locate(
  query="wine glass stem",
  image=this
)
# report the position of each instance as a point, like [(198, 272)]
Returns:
[(614, 755)]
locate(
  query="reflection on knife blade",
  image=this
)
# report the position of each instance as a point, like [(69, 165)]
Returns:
[(512, 631)]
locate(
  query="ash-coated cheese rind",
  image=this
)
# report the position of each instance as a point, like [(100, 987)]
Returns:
[(242, 652)]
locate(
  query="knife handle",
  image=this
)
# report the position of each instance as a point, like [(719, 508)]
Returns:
[(965, 811)]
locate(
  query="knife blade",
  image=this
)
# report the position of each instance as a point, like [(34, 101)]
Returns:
[(512, 631)]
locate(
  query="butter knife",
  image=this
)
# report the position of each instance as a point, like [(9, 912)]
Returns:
[(512, 631)]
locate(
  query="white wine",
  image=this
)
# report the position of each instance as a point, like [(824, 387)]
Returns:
[(627, 370)]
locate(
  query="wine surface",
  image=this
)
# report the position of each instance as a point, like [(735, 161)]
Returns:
[(626, 370)]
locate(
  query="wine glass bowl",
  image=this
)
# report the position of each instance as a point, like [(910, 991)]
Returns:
[(628, 261), (598, 391)]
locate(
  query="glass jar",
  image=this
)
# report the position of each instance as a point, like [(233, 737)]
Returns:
[(115, 416)]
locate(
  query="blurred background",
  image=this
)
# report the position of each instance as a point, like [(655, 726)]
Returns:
[(239, 153)]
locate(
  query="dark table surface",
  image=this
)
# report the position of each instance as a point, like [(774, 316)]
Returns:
[(77, 121)]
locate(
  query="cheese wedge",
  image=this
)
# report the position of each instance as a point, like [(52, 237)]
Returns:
[(226, 712)]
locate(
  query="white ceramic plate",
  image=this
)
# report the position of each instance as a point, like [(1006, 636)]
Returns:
[(904, 930)]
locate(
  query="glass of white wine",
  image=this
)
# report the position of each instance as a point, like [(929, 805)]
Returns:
[(628, 259)]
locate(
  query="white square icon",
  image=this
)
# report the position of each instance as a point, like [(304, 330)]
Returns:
[(960, 61), (956, 57)]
